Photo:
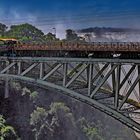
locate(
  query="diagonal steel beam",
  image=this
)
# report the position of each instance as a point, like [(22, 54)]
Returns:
[(129, 92), (99, 72), (103, 81), (52, 71), (102, 76), (53, 66), (8, 67), (128, 74), (129, 83), (75, 70), (29, 69), (76, 75)]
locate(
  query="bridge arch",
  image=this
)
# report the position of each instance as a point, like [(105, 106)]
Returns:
[(83, 98)]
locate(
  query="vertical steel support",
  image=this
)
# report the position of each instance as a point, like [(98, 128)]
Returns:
[(113, 80), (41, 72), (117, 80), (19, 68), (89, 76), (139, 83), (65, 70)]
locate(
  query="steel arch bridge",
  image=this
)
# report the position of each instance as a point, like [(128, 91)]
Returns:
[(110, 85)]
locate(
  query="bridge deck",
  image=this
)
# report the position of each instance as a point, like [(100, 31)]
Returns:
[(64, 59)]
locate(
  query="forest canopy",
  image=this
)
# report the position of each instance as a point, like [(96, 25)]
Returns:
[(28, 33)]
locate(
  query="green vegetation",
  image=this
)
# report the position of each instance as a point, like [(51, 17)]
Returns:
[(3, 29), (25, 33), (51, 37), (28, 33), (90, 130), (34, 96), (6, 131), (49, 123), (40, 124), (41, 114)]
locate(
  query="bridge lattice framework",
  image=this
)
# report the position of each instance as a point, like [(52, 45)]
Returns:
[(110, 85)]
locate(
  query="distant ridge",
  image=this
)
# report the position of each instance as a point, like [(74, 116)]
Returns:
[(107, 29)]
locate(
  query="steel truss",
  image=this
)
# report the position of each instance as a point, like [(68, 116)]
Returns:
[(110, 85)]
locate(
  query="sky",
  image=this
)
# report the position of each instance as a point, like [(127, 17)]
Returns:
[(74, 14)]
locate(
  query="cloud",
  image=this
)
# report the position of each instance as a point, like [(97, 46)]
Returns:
[(14, 17)]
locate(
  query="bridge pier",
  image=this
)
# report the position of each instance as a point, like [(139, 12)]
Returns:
[(6, 91), (6, 95)]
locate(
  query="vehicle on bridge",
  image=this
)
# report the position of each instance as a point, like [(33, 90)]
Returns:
[(7, 46), (13, 47)]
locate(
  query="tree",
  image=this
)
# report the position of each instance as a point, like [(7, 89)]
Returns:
[(90, 130), (42, 126), (34, 96), (26, 33), (56, 123), (3, 29), (71, 35), (6, 132), (50, 37)]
